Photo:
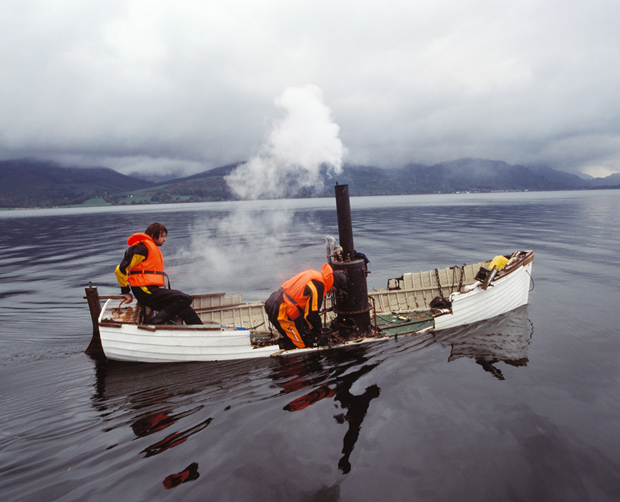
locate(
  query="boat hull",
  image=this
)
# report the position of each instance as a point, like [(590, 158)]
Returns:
[(134, 344), (503, 295)]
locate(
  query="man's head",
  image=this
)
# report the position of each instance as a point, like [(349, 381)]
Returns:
[(158, 232)]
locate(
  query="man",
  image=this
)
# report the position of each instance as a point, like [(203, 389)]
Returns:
[(294, 308), (142, 272)]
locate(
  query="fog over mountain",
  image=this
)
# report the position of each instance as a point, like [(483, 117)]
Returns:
[(29, 183), (180, 87)]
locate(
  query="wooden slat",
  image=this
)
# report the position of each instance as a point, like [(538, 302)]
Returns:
[(422, 288)]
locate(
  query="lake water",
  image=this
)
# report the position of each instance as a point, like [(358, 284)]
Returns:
[(523, 408)]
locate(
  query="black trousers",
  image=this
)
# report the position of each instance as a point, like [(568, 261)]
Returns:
[(172, 302), (299, 327)]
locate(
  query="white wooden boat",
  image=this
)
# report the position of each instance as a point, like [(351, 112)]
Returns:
[(237, 330), (470, 300)]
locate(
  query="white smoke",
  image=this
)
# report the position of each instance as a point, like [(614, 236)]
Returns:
[(225, 249), (297, 148)]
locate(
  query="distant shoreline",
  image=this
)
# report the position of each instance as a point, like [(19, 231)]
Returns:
[(180, 200)]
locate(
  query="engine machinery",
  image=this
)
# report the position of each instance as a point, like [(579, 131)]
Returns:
[(351, 304)]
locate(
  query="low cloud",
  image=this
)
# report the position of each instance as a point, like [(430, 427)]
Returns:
[(162, 86)]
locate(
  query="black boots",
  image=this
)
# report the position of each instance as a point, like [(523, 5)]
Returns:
[(161, 318)]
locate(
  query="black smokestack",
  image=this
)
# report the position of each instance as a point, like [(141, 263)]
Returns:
[(345, 229), (351, 306)]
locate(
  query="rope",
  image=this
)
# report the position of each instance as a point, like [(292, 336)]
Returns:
[(461, 279), (438, 283), (531, 280)]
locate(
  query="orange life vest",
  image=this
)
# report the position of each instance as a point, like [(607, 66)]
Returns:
[(294, 288), (150, 272)]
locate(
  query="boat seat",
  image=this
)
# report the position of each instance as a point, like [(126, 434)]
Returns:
[(130, 314)]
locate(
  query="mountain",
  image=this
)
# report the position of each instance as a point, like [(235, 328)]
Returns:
[(611, 180), (206, 186), (28, 183), (31, 183), (463, 175), (561, 178)]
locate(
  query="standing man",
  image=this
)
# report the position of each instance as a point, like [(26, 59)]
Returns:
[(142, 272), (294, 308)]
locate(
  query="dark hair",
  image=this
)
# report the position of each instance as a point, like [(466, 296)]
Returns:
[(155, 230)]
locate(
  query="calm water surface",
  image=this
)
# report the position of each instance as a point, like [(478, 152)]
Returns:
[(526, 407)]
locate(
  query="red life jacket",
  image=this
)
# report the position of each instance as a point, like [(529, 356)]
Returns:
[(294, 288), (150, 272)]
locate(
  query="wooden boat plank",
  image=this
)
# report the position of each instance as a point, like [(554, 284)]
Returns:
[(182, 338)]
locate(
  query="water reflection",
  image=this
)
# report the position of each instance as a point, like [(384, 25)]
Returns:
[(503, 338), (174, 439), (310, 372), (158, 421), (190, 473), (173, 404), (357, 407), (158, 399)]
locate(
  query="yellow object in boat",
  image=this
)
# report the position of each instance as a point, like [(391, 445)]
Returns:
[(498, 262)]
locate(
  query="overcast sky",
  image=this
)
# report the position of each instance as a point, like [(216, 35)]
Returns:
[(161, 85)]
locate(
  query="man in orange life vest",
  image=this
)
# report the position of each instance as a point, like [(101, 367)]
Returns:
[(294, 308), (142, 272)]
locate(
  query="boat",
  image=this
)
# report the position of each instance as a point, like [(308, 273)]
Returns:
[(237, 330), (416, 302)]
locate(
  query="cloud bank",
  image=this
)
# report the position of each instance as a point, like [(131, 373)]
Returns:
[(189, 85)]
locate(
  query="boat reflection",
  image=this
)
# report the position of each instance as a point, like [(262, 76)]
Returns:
[(153, 398), (504, 338), (336, 383), (167, 405), (139, 386)]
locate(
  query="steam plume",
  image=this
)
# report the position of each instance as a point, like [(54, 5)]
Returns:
[(225, 249), (297, 148)]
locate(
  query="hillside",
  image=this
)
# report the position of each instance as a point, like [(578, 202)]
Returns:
[(466, 175), (27, 183), (206, 186), (471, 175)]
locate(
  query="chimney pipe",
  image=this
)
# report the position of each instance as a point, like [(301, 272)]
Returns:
[(351, 303), (345, 230)]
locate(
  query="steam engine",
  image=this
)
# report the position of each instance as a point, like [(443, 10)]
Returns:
[(351, 303)]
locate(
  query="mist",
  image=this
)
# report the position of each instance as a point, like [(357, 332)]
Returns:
[(224, 250), (297, 148)]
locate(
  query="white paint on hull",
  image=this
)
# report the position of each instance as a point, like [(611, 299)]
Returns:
[(129, 343), (505, 294)]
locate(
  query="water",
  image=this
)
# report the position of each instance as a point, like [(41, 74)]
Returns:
[(524, 409)]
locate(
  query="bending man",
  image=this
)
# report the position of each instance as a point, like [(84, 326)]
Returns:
[(294, 308), (142, 272)]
